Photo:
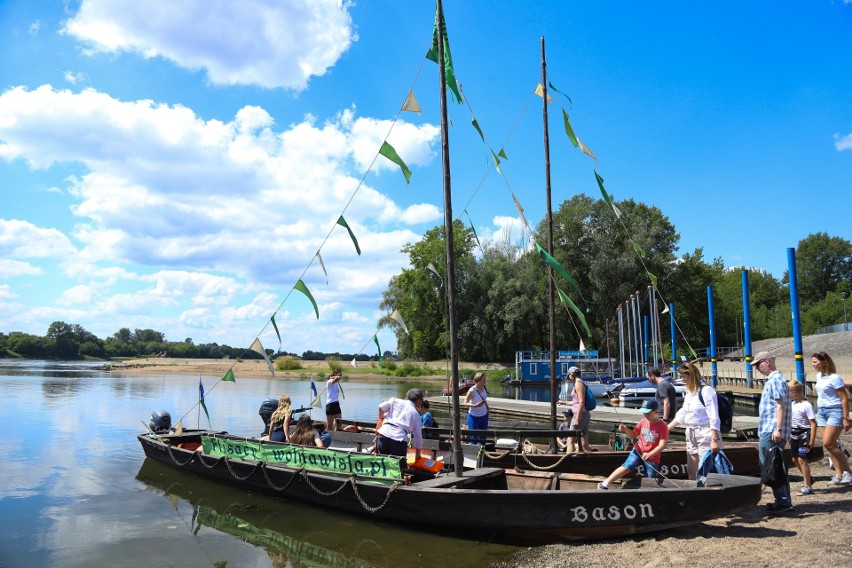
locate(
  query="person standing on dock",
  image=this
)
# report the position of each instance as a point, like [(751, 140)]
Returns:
[(774, 423), (476, 400), (580, 422), (666, 395)]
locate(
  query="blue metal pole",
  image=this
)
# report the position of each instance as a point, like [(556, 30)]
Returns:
[(674, 348), (797, 325), (646, 321), (747, 330), (712, 353)]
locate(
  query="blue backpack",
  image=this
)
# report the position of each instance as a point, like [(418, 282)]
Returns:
[(591, 403)]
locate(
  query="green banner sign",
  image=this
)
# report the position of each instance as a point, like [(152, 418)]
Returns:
[(304, 457)]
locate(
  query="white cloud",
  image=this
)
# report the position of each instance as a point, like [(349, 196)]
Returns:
[(22, 239), (269, 43), (843, 142), (74, 78), (10, 268), (6, 292)]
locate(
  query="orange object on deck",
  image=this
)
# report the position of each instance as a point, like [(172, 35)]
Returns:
[(427, 464)]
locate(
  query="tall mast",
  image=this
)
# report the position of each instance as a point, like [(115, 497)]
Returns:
[(551, 292), (458, 458)]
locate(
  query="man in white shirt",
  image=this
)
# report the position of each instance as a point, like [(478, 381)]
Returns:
[(400, 419)]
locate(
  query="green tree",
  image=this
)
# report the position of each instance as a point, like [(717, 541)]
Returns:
[(822, 264), (61, 336)]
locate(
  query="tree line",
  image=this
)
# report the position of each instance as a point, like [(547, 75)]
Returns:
[(502, 293), (64, 341), (502, 288)]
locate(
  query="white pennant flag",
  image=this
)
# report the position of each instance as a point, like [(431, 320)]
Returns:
[(398, 318), (411, 103), (582, 347), (354, 363), (258, 348), (520, 211), (322, 264), (539, 90)]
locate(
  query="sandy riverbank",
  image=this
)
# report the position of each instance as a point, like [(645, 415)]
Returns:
[(813, 532)]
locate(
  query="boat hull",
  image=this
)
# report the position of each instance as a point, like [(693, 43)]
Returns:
[(528, 508)]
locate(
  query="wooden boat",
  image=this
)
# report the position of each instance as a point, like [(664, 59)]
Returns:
[(493, 503), (485, 502)]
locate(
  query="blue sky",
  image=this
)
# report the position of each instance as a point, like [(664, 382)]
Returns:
[(178, 165)]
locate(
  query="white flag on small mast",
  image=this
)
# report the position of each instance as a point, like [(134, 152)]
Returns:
[(582, 347), (316, 402), (398, 319), (354, 362), (258, 348)]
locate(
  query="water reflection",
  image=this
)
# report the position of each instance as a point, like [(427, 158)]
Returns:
[(282, 530)]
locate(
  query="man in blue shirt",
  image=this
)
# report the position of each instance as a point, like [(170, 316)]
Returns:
[(774, 423)]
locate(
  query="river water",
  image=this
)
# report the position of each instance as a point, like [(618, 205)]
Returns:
[(77, 491)]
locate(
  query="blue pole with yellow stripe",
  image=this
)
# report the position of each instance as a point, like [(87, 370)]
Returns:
[(747, 330), (794, 307), (712, 353)]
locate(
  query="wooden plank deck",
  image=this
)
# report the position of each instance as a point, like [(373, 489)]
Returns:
[(604, 417)]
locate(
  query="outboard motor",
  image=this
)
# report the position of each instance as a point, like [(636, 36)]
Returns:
[(161, 422), (267, 407)]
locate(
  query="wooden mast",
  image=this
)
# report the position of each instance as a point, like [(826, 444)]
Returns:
[(551, 292), (458, 457)]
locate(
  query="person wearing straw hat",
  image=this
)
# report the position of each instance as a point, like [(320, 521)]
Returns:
[(651, 435)]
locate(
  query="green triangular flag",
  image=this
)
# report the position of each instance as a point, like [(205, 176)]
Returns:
[(568, 130), (558, 267), (653, 280), (566, 300), (550, 85), (502, 154), (478, 129), (229, 377), (472, 228), (278, 333), (389, 152), (300, 286), (606, 196), (342, 223), (496, 162), (376, 339), (639, 250), (432, 55)]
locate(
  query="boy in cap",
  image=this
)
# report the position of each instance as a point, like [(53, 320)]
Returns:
[(567, 443), (650, 437)]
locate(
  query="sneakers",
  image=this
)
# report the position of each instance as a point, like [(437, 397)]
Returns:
[(845, 479), (806, 490), (778, 508), (602, 487)]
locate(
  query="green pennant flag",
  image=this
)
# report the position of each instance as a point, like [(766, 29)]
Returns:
[(496, 162), (606, 196), (478, 129), (389, 152), (638, 250), (568, 130), (472, 228), (653, 280), (558, 268), (550, 86), (201, 398), (342, 223), (300, 286), (229, 377), (376, 339), (278, 333), (502, 154), (567, 301), (432, 55)]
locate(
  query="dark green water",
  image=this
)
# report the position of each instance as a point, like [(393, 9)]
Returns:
[(76, 490)]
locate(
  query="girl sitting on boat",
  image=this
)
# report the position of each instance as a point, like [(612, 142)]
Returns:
[(304, 434), (279, 422)]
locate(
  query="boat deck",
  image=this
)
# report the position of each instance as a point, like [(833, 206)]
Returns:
[(602, 416)]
